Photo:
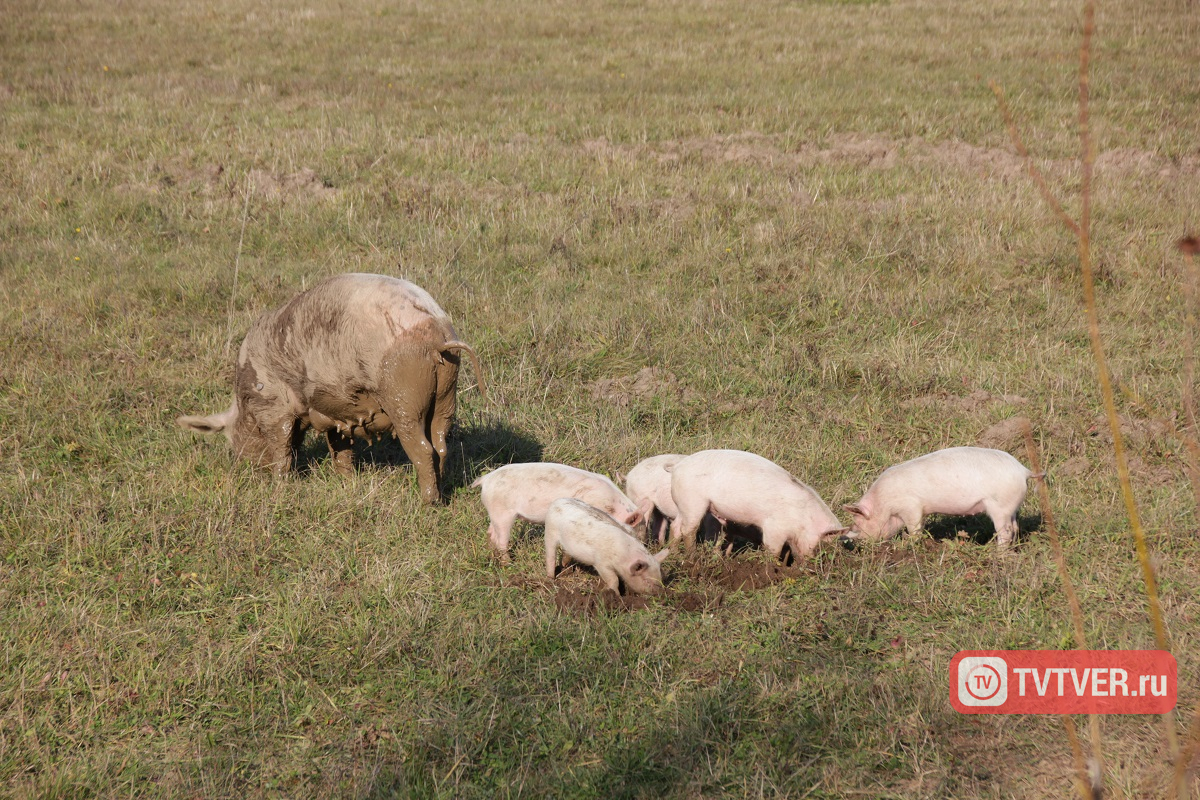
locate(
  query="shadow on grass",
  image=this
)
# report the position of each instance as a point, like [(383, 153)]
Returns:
[(473, 450), (978, 528), (682, 758), (478, 448)]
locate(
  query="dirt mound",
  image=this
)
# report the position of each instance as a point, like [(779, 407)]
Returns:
[(1006, 434), (648, 382), (735, 575), (213, 179), (571, 601), (304, 183)]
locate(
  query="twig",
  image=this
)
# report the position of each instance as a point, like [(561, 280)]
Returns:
[(1060, 561), (1189, 246), (1034, 172), (1110, 406), (1082, 231), (237, 262), (1081, 775)]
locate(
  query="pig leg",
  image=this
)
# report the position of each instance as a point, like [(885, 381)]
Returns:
[(407, 396), (551, 552), (912, 518), (773, 541), (499, 528), (691, 514), (661, 523), (341, 448), (683, 529), (610, 577), (1005, 522), (444, 406)]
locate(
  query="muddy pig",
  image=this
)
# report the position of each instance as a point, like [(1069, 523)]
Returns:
[(592, 537), (527, 490), (353, 357), (957, 480), (744, 488)]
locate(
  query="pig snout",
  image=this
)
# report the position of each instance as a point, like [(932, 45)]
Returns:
[(645, 575)]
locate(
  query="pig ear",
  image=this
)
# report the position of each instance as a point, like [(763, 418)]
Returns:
[(646, 509), (661, 555), (834, 532), (638, 567), (620, 478), (857, 510), (633, 518), (213, 423)]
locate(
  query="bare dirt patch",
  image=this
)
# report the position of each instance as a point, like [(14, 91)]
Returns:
[(874, 151), (205, 179), (211, 180), (1075, 465), (646, 383), (735, 575), (304, 183), (708, 579), (1005, 434)]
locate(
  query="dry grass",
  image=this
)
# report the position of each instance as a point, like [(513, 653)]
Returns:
[(805, 218)]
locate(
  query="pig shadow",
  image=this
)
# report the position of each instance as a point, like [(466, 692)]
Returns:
[(475, 449), (978, 528), (735, 538), (472, 449)]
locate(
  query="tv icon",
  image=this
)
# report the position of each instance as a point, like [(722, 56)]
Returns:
[(982, 681)]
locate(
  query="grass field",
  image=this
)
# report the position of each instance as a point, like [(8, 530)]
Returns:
[(792, 227)]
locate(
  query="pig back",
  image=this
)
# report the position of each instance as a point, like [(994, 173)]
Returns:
[(743, 487), (331, 344), (953, 476)]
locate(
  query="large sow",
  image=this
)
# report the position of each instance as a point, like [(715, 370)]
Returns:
[(353, 357)]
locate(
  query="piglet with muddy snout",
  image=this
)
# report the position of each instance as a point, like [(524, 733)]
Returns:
[(592, 537), (957, 481)]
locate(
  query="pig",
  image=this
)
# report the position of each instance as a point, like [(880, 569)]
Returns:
[(957, 480), (592, 537), (353, 357), (527, 490), (747, 489), (650, 481)]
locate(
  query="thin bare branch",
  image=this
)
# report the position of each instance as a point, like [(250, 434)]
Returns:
[(1060, 561), (1034, 172)]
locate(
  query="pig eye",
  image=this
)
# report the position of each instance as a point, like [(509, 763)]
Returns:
[(638, 566)]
